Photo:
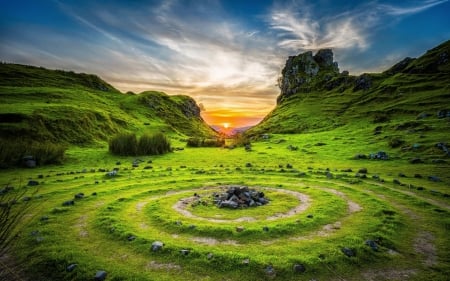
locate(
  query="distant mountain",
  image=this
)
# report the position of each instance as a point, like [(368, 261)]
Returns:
[(59, 106), (230, 131), (315, 96)]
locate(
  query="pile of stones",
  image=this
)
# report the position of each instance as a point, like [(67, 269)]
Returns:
[(239, 197)]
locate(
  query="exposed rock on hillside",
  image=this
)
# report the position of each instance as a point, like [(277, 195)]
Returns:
[(300, 70)]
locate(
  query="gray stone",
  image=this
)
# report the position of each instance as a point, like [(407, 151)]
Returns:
[(157, 246), (434, 178), (79, 195), (68, 203), (100, 275), (270, 271), (240, 228), (71, 267), (32, 183), (299, 268), (372, 244), (348, 252), (185, 252)]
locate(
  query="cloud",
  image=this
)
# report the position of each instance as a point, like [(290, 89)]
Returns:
[(299, 28)]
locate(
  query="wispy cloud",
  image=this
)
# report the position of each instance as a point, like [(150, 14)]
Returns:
[(301, 29)]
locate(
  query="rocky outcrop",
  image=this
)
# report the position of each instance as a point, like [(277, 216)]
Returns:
[(300, 71)]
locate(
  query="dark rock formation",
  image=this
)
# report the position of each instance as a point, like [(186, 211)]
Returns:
[(301, 69)]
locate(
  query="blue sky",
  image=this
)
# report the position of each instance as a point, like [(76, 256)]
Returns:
[(225, 54)]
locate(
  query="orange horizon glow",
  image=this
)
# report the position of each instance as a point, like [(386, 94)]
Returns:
[(230, 120)]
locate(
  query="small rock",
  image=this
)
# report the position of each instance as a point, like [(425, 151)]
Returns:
[(401, 175), (362, 171), (418, 176), (434, 178), (210, 256), (240, 228), (372, 244), (246, 261), (248, 165), (415, 161), (79, 195), (71, 267), (185, 252), (310, 216), (100, 275), (348, 252), (396, 181), (289, 166), (94, 193), (44, 218), (299, 268), (360, 156), (68, 203), (131, 238), (270, 271), (157, 245), (32, 183), (266, 228)]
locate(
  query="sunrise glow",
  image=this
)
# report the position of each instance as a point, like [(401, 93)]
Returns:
[(226, 125)]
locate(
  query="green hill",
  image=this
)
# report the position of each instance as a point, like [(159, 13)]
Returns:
[(407, 105), (40, 105)]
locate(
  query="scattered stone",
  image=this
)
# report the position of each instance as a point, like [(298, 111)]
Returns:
[(289, 166), (112, 173), (118, 163), (310, 216), (396, 181), (94, 193), (148, 167), (362, 171), (423, 115), (270, 271), (418, 176), (372, 244), (68, 203), (443, 146), (299, 268), (443, 113), (434, 178), (329, 175), (401, 175), (380, 155), (240, 228), (292, 148), (265, 228), (100, 275), (348, 252), (44, 218), (185, 252), (79, 195), (360, 156), (246, 262), (157, 245), (415, 161), (131, 238), (71, 267), (192, 226), (248, 165), (179, 223), (320, 144), (32, 183), (438, 161), (210, 256), (347, 170), (96, 182)]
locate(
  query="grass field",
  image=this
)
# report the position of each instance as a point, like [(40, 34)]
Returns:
[(114, 229)]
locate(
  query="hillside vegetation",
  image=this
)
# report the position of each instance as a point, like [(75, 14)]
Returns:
[(41, 105), (406, 105)]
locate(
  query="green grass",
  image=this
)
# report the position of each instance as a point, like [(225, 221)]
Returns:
[(394, 203)]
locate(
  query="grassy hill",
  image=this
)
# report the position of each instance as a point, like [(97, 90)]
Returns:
[(402, 108), (76, 108)]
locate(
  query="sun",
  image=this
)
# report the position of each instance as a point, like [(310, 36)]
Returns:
[(226, 125)]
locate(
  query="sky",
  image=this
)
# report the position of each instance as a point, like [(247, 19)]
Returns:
[(226, 54)]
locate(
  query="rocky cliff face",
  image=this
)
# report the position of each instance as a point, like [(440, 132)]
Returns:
[(300, 71)]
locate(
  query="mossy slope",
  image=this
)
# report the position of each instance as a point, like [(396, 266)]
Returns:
[(58, 106)]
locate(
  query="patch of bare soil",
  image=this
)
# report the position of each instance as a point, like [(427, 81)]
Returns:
[(389, 274), (212, 241), (166, 266), (353, 207), (423, 244)]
